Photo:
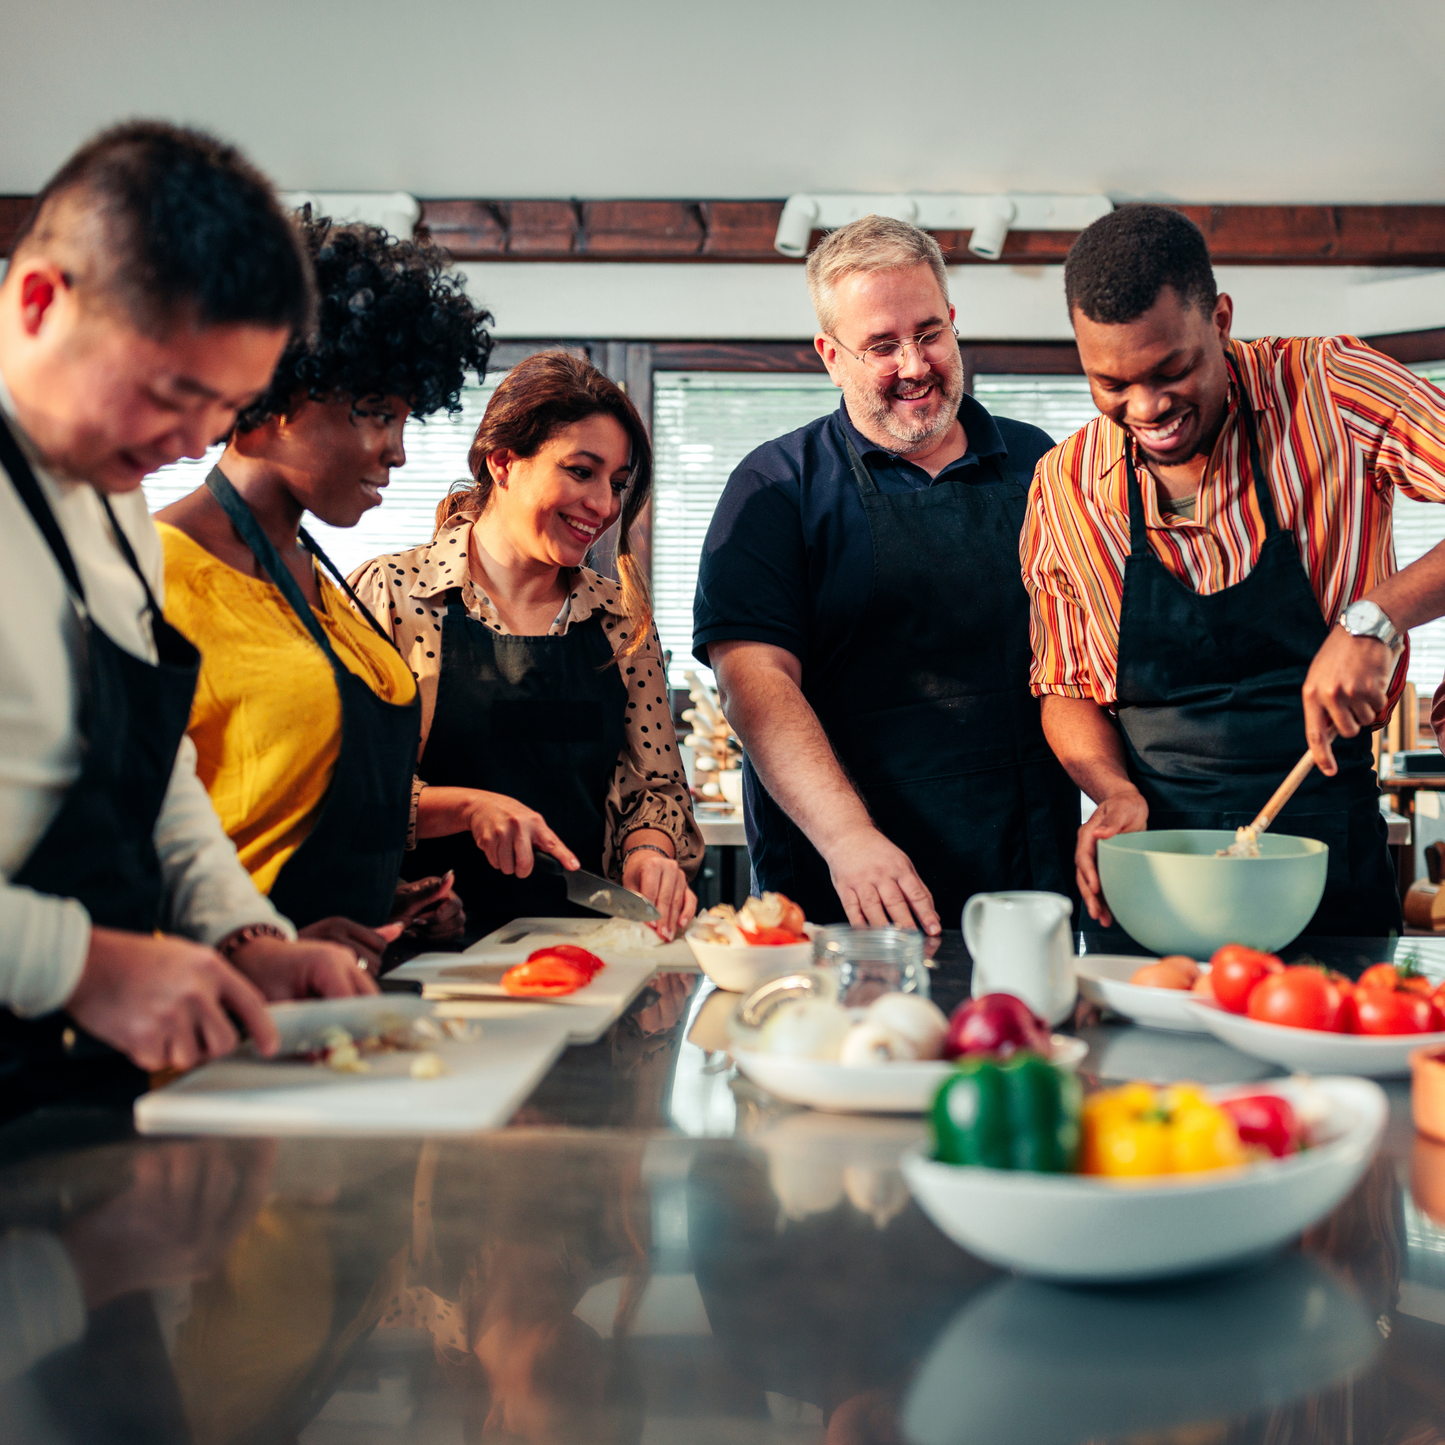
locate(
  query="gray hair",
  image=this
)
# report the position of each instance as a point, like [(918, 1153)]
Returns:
[(875, 243)]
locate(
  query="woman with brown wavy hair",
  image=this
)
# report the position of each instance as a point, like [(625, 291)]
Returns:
[(545, 717)]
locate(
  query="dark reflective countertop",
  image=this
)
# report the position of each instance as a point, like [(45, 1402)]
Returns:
[(655, 1251)]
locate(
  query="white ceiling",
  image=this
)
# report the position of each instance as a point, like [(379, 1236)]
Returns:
[(1229, 100)]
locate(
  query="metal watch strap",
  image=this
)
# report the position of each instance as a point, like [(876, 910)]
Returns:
[(1394, 642)]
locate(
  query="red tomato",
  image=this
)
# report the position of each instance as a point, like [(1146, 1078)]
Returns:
[(572, 954), (1378, 975), (772, 937), (1393, 1011), (1300, 998), (1387, 976), (545, 977), (1235, 970)]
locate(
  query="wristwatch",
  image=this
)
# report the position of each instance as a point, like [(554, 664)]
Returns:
[(1367, 619)]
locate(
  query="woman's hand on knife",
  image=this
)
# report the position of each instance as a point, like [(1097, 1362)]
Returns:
[(507, 832)]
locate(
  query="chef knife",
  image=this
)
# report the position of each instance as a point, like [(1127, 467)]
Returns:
[(590, 890)]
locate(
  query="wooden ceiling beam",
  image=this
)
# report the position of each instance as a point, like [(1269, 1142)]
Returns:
[(560, 230), (743, 231)]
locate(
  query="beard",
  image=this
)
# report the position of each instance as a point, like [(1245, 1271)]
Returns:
[(870, 404)]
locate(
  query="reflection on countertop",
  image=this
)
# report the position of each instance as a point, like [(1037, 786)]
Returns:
[(657, 1251)]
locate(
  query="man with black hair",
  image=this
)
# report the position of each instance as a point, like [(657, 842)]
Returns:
[(1210, 564), (147, 300)]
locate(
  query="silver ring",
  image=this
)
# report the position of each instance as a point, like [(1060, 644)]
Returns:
[(361, 963)]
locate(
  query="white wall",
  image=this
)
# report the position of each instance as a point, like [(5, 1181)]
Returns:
[(1233, 100), (682, 301)]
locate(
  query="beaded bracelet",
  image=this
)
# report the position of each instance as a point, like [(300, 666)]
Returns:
[(235, 941), (643, 847)]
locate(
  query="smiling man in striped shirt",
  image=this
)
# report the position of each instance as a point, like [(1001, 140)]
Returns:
[(1190, 552)]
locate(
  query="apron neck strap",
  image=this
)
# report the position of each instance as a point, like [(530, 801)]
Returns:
[(309, 542), (861, 475), (22, 478), (128, 552), (1139, 533), (455, 606), (243, 519)]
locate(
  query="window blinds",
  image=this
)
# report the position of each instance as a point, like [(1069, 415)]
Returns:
[(1059, 405), (703, 425), (1418, 527), (436, 456)]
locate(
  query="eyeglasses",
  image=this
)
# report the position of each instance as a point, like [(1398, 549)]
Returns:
[(886, 356)]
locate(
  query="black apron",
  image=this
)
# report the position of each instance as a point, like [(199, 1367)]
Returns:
[(541, 719), (100, 846), (350, 861), (1209, 705), (930, 712)]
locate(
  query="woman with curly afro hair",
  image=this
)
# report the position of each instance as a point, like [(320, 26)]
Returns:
[(306, 717)]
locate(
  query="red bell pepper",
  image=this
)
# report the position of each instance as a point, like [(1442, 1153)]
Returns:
[(1266, 1121)]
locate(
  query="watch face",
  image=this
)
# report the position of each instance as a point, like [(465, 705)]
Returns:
[(1367, 619)]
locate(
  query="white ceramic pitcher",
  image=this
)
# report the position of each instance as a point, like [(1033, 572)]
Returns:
[(1021, 944)]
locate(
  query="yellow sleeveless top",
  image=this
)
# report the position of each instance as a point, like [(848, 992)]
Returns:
[(266, 719)]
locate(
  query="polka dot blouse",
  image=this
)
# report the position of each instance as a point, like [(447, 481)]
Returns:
[(406, 592)]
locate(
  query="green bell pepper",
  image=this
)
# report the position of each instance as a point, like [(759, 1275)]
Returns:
[(1014, 1113)]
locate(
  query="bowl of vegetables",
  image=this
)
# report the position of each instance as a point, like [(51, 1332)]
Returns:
[(1172, 892), (737, 948), (888, 1058), (1136, 1183), (1305, 1017)]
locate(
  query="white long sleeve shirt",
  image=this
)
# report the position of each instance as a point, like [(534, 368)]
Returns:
[(207, 893)]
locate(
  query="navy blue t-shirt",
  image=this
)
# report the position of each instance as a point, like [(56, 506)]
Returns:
[(788, 557)]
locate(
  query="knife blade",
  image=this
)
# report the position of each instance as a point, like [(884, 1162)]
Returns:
[(601, 895)]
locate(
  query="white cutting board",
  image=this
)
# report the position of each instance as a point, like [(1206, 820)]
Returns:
[(515, 940), (472, 980), (487, 1078)]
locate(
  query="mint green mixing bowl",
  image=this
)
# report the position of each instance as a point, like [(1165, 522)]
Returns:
[(1170, 892)]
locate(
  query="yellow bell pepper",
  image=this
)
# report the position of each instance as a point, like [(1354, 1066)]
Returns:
[(1137, 1130)]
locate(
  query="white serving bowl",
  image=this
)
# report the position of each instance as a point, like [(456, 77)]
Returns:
[(901, 1088), (740, 968), (1313, 1051), (1078, 1228), (1104, 980)]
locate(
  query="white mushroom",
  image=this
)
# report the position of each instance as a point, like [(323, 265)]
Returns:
[(912, 1017)]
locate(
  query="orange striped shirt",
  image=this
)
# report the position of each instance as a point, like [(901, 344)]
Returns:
[(1340, 427)]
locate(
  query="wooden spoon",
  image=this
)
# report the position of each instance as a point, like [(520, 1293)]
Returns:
[(1246, 839)]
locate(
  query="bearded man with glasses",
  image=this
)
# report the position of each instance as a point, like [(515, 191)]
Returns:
[(860, 601)]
